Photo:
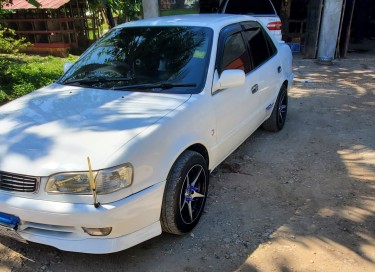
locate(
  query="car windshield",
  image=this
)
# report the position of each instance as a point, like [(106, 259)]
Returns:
[(168, 59)]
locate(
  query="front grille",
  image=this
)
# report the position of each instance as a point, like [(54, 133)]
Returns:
[(17, 183)]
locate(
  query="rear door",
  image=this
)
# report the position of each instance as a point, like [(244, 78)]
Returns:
[(265, 67)]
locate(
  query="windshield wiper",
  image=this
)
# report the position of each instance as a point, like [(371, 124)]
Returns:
[(163, 86), (97, 80)]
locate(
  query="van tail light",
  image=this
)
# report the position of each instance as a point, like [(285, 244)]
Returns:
[(274, 25)]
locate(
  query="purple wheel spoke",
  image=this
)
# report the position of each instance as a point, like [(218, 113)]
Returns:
[(193, 194)]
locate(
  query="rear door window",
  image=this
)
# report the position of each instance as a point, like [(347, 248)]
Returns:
[(260, 45)]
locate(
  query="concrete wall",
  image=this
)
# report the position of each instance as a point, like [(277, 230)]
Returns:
[(150, 8), (329, 29)]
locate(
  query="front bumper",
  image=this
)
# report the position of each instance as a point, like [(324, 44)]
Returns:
[(133, 219)]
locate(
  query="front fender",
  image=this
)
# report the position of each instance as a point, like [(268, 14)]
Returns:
[(153, 152)]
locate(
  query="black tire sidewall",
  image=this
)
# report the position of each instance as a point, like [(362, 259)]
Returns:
[(283, 92), (173, 221), (272, 123)]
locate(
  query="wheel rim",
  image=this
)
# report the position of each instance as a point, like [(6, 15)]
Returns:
[(282, 109), (193, 194)]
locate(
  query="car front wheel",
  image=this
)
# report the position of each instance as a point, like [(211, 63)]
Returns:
[(185, 193)]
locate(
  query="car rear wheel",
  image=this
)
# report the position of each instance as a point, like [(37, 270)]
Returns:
[(185, 193), (278, 116)]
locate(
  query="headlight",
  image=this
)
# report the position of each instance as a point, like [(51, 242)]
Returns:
[(107, 181)]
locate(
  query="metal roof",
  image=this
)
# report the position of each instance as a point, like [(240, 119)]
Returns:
[(45, 4)]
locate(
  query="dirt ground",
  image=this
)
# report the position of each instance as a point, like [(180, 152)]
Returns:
[(302, 199)]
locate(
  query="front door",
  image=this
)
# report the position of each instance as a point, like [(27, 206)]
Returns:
[(236, 109)]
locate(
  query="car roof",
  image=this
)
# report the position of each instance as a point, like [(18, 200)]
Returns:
[(214, 21)]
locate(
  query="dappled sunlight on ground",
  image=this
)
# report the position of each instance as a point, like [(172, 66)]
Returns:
[(333, 229), (357, 214), (306, 253), (358, 76), (359, 161)]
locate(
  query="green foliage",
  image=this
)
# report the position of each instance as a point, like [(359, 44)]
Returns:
[(128, 10), (21, 74), (168, 12), (4, 12), (34, 3), (9, 43), (97, 4)]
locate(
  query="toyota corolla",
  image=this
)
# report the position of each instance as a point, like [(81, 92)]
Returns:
[(121, 147)]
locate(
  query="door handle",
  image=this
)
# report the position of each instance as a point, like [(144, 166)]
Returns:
[(255, 88), (279, 69)]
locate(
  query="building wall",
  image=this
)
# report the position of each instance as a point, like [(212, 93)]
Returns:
[(329, 29)]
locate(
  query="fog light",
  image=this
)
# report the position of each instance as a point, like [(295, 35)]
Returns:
[(98, 231)]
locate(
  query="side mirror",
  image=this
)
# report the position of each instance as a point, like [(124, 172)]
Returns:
[(67, 66), (229, 79)]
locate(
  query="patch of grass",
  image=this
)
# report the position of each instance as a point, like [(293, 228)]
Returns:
[(22, 74), (178, 12)]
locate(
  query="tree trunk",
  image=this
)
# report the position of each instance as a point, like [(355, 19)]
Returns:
[(108, 13)]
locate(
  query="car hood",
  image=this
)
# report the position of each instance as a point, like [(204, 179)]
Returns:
[(56, 128)]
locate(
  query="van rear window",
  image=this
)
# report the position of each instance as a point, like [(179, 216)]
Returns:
[(249, 7)]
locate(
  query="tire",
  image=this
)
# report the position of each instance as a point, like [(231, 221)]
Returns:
[(278, 116), (185, 193)]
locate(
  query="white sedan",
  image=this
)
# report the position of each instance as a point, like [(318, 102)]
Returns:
[(121, 147)]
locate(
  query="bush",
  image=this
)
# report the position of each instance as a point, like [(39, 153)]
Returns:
[(22, 74), (9, 42)]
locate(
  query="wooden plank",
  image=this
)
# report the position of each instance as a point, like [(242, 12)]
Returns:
[(51, 45), (348, 17), (39, 20), (311, 38), (337, 53), (45, 31)]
